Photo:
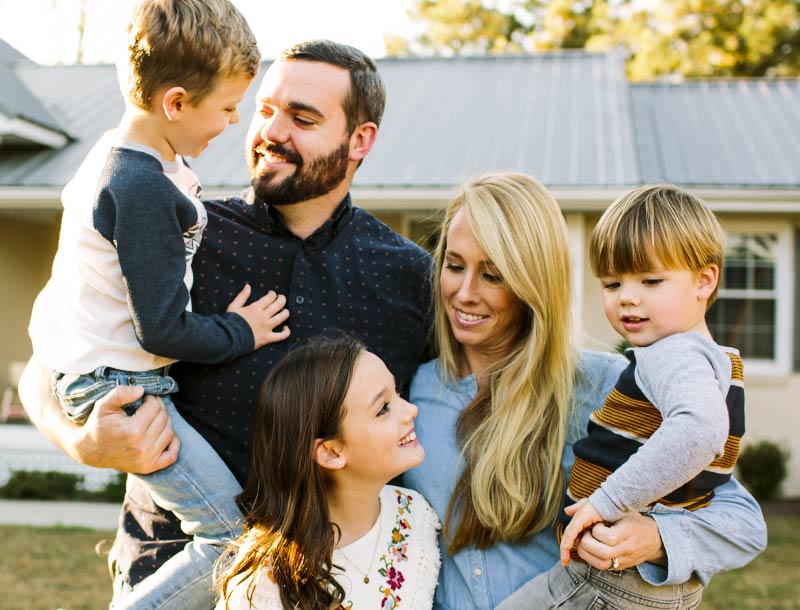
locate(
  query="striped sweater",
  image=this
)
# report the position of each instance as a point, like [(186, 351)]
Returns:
[(668, 432)]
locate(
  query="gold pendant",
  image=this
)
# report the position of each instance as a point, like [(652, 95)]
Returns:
[(366, 580)]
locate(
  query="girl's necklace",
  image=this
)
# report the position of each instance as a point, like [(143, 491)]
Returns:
[(374, 550)]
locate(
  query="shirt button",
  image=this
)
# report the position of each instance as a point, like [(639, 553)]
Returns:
[(299, 300), (477, 572)]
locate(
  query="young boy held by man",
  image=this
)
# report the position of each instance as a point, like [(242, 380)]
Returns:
[(117, 310)]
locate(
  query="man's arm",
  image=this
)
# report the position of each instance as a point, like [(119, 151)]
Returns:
[(141, 443)]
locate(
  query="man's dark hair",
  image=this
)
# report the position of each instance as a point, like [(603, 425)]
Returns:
[(367, 96)]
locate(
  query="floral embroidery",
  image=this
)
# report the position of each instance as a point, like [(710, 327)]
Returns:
[(397, 552)]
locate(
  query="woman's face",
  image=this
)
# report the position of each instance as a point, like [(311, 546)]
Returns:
[(378, 435), (484, 316)]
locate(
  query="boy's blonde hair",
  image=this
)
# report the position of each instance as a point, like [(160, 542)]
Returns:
[(656, 221), (187, 43)]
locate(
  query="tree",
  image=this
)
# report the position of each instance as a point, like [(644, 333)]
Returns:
[(693, 38)]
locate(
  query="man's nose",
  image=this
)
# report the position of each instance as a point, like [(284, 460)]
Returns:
[(275, 129)]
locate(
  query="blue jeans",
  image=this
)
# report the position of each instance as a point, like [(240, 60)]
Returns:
[(582, 587), (198, 488)]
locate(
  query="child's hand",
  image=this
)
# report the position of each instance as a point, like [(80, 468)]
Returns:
[(263, 315), (584, 515)]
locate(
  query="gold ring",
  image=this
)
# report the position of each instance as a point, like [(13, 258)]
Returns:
[(614, 563)]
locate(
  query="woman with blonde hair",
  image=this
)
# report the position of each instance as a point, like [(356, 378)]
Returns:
[(508, 396)]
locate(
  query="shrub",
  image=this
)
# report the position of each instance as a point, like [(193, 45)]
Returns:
[(36, 485), (762, 468), (53, 485), (114, 490)]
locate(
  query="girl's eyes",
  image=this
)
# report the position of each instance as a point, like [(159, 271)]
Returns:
[(494, 279), (386, 407), (652, 281), (610, 285), (453, 267)]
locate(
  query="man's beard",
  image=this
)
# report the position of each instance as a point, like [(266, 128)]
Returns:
[(318, 178)]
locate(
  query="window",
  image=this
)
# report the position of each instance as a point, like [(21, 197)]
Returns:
[(753, 310)]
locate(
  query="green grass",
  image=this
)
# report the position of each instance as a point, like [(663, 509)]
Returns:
[(51, 568), (770, 582)]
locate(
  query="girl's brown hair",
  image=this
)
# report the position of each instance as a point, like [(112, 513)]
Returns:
[(288, 530)]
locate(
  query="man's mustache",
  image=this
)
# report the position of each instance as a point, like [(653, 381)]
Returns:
[(279, 151)]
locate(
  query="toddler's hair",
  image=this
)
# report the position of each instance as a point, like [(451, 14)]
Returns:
[(656, 223), (187, 43)]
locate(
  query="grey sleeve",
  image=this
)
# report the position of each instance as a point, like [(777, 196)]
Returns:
[(686, 377)]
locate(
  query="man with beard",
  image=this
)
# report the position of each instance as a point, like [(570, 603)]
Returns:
[(295, 232)]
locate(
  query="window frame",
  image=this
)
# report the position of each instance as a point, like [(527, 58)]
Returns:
[(781, 364)]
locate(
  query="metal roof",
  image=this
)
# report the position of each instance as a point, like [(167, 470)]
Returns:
[(563, 117), (570, 118), (719, 132), (16, 100)]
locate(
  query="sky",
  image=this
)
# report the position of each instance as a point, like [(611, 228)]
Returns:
[(47, 30)]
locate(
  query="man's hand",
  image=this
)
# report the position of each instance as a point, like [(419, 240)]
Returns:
[(583, 515), (263, 316), (110, 438), (140, 443), (632, 540)]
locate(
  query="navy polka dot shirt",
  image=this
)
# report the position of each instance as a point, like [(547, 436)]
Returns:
[(353, 274)]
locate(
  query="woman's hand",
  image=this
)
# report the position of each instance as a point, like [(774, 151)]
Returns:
[(632, 540)]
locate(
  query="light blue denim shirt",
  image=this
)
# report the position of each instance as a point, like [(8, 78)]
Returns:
[(726, 535)]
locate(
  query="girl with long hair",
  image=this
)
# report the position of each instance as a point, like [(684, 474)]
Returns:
[(324, 530)]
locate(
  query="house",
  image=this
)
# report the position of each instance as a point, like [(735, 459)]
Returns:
[(569, 118)]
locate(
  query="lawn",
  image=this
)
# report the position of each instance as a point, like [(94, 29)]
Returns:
[(51, 568)]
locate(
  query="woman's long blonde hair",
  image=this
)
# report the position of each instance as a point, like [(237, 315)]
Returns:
[(512, 434)]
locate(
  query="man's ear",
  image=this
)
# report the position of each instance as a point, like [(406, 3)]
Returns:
[(707, 280), (362, 140), (328, 454), (173, 101)]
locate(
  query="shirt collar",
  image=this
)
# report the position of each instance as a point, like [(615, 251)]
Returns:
[(271, 220)]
